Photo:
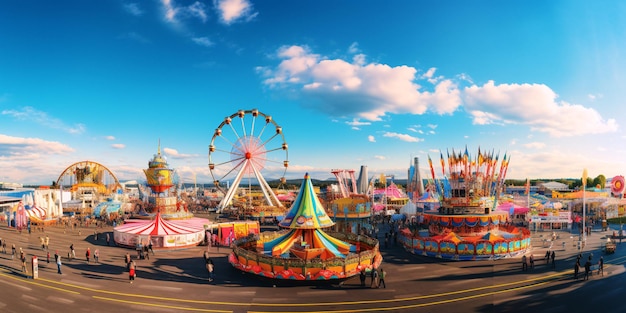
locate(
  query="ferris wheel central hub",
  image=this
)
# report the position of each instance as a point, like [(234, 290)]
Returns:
[(248, 155)]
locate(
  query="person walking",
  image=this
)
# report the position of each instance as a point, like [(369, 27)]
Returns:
[(547, 257), (382, 276), (48, 257), (576, 269), (72, 251), (12, 251), (127, 260), (150, 247), (553, 257), (587, 269), (47, 242), (23, 259), (601, 266), (524, 264), (211, 269), (362, 277), (374, 282), (88, 254), (96, 255), (532, 262), (57, 257), (132, 271)]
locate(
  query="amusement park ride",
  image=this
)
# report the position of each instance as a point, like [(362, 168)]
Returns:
[(241, 148), (89, 183), (303, 251), (466, 226)]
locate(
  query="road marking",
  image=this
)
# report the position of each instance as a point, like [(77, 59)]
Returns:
[(144, 304), (166, 288), (60, 300), (73, 282)]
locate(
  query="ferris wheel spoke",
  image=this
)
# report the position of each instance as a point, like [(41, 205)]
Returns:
[(234, 130), (275, 149), (239, 165), (263, 129), (269, 140)]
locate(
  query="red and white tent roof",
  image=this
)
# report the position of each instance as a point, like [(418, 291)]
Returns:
[(158, 227), (36, 212)]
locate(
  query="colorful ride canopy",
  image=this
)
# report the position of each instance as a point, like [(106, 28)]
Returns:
[(307, 212)]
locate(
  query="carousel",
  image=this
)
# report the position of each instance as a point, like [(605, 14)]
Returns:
[(303, 251), (466, 225)]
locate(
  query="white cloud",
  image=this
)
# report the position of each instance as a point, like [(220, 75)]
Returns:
[(356, 122), (366, 90), (371, 138), (198, 10), (133, 8), (169, 10), (535, 145), (379, 157), (110, 137), (354, 48), (174, 154), (203, 41), (33, 115), (175, 14), (534, 105), (403, 137), (231, 11), (118, 146), (19, 146)]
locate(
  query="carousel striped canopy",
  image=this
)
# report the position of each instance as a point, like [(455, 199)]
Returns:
[(36, 212), (158, 227), (307, 212)]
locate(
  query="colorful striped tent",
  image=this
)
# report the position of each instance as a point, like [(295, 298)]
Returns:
[(306, 240), (162, 233)]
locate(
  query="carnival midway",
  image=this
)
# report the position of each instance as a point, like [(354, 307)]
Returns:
[(460, 208)]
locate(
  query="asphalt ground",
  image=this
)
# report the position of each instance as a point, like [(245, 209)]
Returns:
[(176, 281)]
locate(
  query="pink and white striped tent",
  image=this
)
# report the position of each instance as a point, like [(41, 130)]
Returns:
[(162, 233), (36, 212)]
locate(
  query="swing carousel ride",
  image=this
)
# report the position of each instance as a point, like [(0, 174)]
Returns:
[(303, 251), (243, 145), (467, 226)]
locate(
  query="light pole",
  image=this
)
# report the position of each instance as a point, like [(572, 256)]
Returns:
[(584, 206)]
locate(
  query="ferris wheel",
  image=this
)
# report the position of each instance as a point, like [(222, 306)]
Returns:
[(243, 146)]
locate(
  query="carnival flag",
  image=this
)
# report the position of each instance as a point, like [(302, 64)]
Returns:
[(584, 178)]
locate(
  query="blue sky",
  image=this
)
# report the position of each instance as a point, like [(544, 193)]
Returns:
[(350, 82)]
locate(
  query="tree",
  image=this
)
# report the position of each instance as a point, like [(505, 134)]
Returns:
[(599, 180)]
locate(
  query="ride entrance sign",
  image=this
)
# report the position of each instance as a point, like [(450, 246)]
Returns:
[(35, 267)]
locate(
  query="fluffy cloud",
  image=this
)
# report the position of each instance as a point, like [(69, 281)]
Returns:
[(12, 146), (118, 146), (534, 105), (403, 137), (357, 88), (371, 91), (231, 11), (176, 155)]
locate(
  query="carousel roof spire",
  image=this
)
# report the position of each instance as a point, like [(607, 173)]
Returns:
[(307, 212)]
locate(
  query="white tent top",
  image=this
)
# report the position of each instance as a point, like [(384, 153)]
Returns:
[(158, 227), (409, 209)]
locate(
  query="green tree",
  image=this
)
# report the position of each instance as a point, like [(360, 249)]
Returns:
[(599, 180)]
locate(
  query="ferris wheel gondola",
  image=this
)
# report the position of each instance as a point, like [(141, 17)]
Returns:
[(241, 150)]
